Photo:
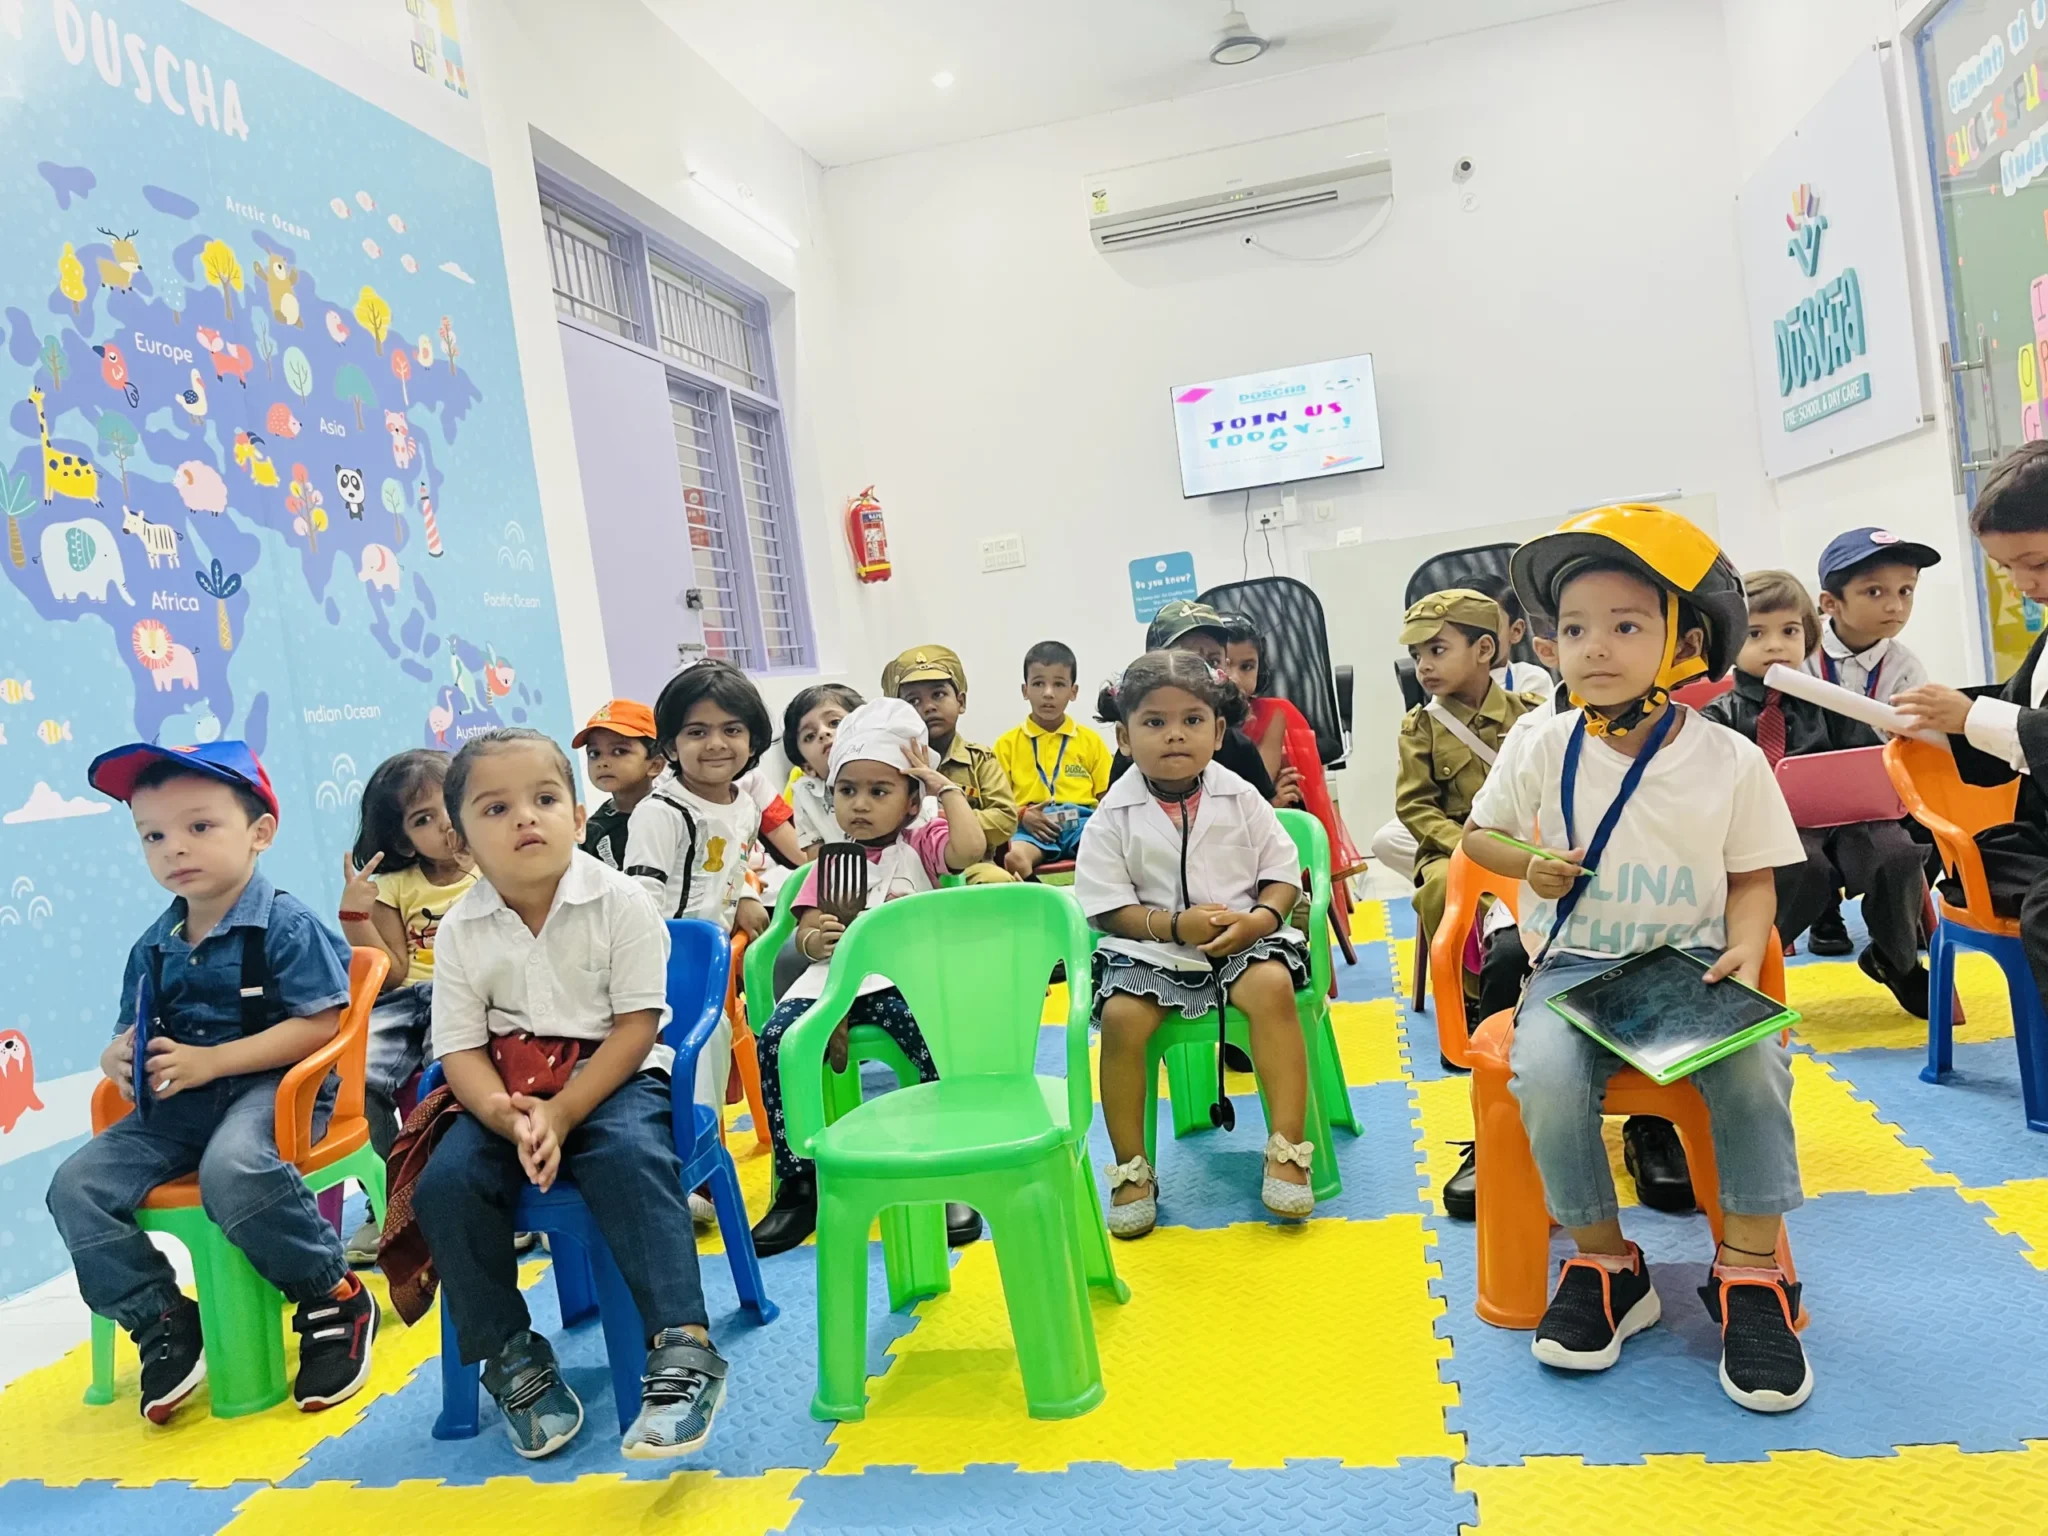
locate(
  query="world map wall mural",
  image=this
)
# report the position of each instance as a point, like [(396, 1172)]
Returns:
[(265, 473)]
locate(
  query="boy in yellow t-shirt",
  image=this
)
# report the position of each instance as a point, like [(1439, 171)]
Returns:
[(1057, 769)]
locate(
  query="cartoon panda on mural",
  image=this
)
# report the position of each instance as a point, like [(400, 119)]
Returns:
[(349, 484)]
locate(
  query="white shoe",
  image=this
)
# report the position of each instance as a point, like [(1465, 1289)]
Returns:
[(1137, 1217), (1292, 1201), (702, 1212)]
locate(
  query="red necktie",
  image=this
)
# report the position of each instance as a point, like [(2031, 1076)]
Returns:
[(1770, 726)]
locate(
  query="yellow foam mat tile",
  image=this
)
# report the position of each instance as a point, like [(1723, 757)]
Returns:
[(1056, 1004), (1368, 922), (1841, 1009), (2020, 1208), (1443, 1115), (1369, 1040), (49, 1434), (1403, 968), (1924, 1490), (1843, 1146), (689, 1501), (1356, 1326)]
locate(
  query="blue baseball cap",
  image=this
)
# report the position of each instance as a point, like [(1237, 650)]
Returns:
[(114, 773), (1861, 546)]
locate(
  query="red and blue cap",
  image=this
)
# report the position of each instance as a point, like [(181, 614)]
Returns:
[(1867, 546), (232, 762)]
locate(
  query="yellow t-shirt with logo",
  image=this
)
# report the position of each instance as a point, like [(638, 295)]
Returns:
[(421, 905), (1069, 764)]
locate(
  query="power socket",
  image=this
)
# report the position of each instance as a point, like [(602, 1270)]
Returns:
[(1268, 517)]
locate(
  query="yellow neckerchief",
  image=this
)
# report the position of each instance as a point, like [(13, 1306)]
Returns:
[(1609, 721)]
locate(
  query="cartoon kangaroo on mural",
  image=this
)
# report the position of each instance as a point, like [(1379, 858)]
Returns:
[(64, 474), (280, 277), (467, 683), (120, 272)]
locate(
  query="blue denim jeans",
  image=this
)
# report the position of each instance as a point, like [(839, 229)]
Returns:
[(399, 1027), (1560, 1077), (225, 1131), (622, 1160)]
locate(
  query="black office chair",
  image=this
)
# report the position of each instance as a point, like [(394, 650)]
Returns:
[(1289, 616), (1483, 567)]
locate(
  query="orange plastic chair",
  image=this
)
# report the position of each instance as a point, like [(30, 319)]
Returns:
[(1925, 777), (1467, 882), (240, 1314), (745, 1052), (1514, 1222)]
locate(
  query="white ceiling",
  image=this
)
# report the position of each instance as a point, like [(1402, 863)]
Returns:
[(851, 80)]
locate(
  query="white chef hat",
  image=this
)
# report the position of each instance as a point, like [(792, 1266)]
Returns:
[(880, 731)]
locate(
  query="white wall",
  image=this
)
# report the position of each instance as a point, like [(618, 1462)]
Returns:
[(1781, 59), (1576, 336)]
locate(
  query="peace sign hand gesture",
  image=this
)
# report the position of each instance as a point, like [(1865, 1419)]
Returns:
[(358, 890)]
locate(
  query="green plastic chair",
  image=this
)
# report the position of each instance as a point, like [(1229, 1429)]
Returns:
[(1188, 1046), (990, 1131), (240, 1313), (915, 1257)]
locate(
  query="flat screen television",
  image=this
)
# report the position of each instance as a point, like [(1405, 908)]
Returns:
[(1288, 424)]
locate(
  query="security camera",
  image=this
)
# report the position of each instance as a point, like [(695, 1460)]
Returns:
[(1461, 168)]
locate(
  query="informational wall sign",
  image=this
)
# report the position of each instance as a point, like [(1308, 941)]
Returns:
[(1157, 580), (1824, 261)]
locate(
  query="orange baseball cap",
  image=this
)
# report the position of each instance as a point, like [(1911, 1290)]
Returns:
[(629, 717)]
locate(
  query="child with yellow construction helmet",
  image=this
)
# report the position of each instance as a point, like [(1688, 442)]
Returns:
[(1681, 823)]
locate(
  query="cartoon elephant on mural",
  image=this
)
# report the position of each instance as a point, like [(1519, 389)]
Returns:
[(81, 559)]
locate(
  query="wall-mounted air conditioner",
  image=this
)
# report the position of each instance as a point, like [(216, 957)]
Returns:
[(1222, 189)]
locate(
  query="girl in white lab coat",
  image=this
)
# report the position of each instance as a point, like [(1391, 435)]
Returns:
[(1185, 870)]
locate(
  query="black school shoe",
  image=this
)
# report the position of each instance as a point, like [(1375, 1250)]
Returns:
[(1461, 1189), (1829, 935), (334, 1347), (1655, 1159), (1910, 988), (791, 1218), (173, 1359), (963, 1224), (1763, 1366), (1592, 1311)]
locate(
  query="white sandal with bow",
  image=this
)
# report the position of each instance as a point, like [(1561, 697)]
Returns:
[(1293, 1201), (1137, 1217)]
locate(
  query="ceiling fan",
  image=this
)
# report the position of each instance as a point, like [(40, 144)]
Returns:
[(1237, 41)]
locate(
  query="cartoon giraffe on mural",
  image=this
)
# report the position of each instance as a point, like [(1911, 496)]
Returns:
[(63, 474)]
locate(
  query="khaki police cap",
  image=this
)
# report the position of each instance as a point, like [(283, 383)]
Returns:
[(924, 664), (1458, 605)]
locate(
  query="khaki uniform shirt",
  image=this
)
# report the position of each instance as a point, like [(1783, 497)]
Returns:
[(1440, 775)]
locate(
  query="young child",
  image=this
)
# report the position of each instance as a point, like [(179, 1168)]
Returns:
[(881, 769), (1873, 858), (236, 982), (1053, 803), (1683, 824), (1186, 625), (556, 968), (622, 755), (1516, 676), (932, 680), (406, 870), (1448, 745), (809, 722), (1189, 877), (2002, 731)]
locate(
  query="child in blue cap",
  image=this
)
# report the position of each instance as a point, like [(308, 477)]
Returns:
[(234, 984)]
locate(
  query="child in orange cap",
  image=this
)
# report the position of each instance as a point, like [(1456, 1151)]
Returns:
[(622, 757)]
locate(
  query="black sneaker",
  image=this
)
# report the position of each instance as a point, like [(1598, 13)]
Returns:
[(1592, 1311), (173, 1360), (1829, 935), (1461, 1189), (1910, 989), (790, 1219), (1236, 1058), (1655, 1159), (963, 1224), (1763, 1366), (334, 1347)]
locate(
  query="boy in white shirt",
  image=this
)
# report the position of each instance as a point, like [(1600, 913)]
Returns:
[(560, 964), (1645, 601)]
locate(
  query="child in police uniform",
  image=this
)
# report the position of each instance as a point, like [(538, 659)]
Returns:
[(933, 681)]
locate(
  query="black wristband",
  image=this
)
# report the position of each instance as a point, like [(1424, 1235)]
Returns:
[(1173, 927), (1279, 921)]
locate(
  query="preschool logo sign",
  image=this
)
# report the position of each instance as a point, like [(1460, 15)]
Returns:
[(1807, 224)]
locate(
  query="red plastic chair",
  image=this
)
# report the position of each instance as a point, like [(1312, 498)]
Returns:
[(1514, 1223), (1699, 695)]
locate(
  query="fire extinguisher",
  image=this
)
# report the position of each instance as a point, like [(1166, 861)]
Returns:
[(869, 537)]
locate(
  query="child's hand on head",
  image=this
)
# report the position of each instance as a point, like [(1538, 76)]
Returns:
[(924, 770), (358, 890), (1553, 878), (1934, 707)]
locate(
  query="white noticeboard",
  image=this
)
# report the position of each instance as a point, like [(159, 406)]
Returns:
[(1823, 239)]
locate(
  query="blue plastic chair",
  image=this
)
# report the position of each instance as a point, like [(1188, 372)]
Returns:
[(587, 1281)]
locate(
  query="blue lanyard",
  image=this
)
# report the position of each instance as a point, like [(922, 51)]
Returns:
[(1832, 671), (1568, 784), (1051, 784)]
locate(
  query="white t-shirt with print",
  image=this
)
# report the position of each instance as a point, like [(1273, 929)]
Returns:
[(1707, 807), (689, 853)]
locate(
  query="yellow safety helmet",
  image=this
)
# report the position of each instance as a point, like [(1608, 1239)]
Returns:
[(1670, 552)]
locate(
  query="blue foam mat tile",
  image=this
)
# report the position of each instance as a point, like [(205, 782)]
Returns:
[(1370, 979), (1971, 1125), (765, 1422), (93, 1509), (1211, 1178), (1417, 1498), (1859, 935), (1903, 1289), (1418, 1039)]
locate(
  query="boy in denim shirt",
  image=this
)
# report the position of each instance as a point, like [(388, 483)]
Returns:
[(234, 984)]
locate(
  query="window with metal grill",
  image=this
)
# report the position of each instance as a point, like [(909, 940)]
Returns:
[(711, 547), (707, 328), (593, 276)]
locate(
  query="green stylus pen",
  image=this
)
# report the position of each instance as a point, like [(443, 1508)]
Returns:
[(1529, 848)]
